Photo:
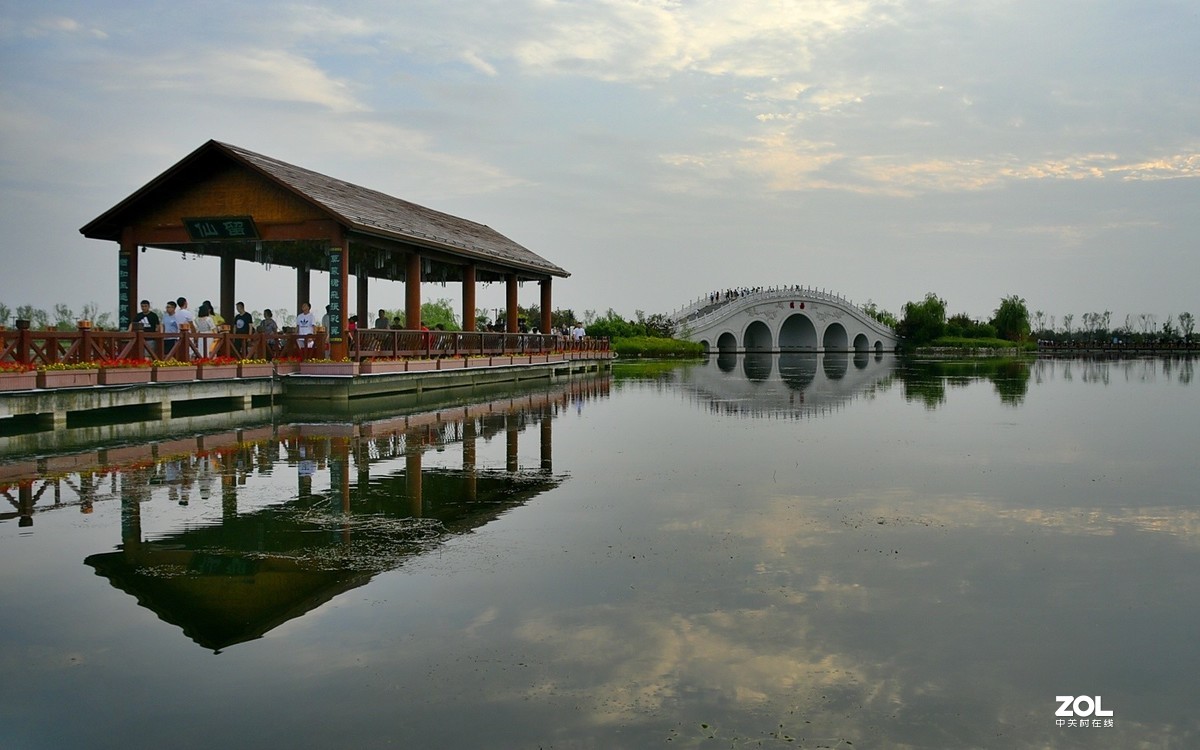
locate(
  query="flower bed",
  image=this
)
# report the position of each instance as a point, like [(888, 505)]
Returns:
[(421, 365), (172, 371), (68, 378), (17, 380), (255, 368), (380, 366), (328, 368), (287, 365), (216, 368), (124, 375), (451, 363)]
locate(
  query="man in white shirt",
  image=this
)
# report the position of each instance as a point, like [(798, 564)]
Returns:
[(184, 315), (305, 325)]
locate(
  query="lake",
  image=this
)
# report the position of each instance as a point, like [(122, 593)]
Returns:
[(752, 551)]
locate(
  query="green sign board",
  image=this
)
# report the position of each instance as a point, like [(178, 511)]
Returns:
[(336, 259), (123, 291), (214, 228)]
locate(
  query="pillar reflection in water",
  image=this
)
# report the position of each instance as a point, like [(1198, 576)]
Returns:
[(258, 526)]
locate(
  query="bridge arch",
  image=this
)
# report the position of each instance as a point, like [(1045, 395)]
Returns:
[(835, 338), (757, 337), (783, 319), (798, 334)]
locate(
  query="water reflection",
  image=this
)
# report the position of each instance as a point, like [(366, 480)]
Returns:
[(792, 384), (927, 381), (286, 518)]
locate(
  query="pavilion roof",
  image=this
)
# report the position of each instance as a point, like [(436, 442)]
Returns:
[(357, 208)]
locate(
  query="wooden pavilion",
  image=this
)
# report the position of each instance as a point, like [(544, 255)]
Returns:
[(225, 201)]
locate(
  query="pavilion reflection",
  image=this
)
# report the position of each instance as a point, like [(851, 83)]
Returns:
[(294, 515)]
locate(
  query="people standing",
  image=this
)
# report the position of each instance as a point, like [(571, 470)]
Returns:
[(381, 323), (146, 320), (204, 324), (243, 324), (183, 315), (268, 327), (170, 325), (305, 325)]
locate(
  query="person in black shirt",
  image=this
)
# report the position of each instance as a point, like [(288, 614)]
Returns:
[(243, 323), (146, 320)]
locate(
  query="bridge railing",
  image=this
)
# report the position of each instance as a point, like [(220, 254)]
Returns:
[(375, 344), (704, 311)]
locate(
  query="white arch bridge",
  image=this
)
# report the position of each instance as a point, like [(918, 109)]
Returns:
[(782, 319)]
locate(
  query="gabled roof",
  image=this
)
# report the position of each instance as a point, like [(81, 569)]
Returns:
[(356, 208)]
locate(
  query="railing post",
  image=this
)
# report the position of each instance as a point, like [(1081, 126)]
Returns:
[(24, 341), (85, 343)]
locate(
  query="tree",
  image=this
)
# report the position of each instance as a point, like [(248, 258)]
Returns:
[(439, 312), (64, 317), (1187, 324), (5, 314), (1011, 319), (923, 321), (878, 313)]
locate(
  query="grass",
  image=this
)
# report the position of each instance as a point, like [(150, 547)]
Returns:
[(960, 342), (648, 346)]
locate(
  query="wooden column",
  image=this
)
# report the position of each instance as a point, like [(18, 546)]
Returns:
[(364, 306), (468, 321), (303, 287), (412, 292), (510, 283), (412, 474), (227, 285), (546, 317), (127, 280), (547, 444), (471, 490), (511, 436)]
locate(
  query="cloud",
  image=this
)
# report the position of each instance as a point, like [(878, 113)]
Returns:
[(53, 25), (621, 40)]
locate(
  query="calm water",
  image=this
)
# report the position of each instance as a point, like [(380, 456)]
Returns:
[(768, 551)]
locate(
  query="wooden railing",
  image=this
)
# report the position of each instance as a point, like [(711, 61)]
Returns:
[(372, 344), (85, 345)]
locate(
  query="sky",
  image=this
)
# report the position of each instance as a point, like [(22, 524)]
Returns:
[(656, 149)]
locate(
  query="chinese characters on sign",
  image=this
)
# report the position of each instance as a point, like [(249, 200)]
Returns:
[(1083, 723), (221, 228), (123, 290), (335, 293)]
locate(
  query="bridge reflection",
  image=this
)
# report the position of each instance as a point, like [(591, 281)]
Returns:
[(790, 384), (264, 526)]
